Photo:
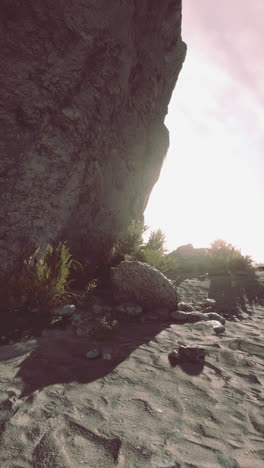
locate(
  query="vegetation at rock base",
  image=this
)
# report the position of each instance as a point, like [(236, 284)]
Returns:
[(105, 328), (51, 278), (28, 299)]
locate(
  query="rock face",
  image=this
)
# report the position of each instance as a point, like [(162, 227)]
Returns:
[(142, 284), (85, 87)]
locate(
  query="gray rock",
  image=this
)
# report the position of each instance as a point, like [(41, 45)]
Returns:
[(107, 356), (66, 310), (186, 307), (191, 353), (186, 317), (142, 284), (210, 302), (129, 310), (93, 354), (217, 326), (82, 133), (102, 309), (214, 316)]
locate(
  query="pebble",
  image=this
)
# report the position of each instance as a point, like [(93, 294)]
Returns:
[(217, 326), (93, 354), (210, 302), (107, 356), (131, 310), (186, 307), (214, 316), (186, 317), (66, 310), (102, 309)]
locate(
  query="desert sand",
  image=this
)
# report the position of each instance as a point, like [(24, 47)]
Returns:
[(61, 410)]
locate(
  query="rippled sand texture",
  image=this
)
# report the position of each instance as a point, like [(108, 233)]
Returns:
[(60, 410)]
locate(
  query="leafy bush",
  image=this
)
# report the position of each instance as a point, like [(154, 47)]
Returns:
[(224, 257), (130, 244), (156, 241), (30, 297)]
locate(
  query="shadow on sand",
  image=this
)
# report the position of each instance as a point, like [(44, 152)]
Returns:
[(235, 293), (60, 357)]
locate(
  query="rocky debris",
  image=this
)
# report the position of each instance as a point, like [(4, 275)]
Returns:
[(216, 320), (186, 317), (189, 353), (93, 354), (66, 310), (218, 327), (89, 172), (107, 356), (210, 302), (102, 309), (208, 309), (4, 340), (142, 284), (214, 316), (186, 307), (128, 310)]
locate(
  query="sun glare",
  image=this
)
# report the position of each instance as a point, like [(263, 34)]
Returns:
[(210, 185)]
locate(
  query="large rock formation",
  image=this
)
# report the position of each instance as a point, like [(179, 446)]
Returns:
[(85, 87)]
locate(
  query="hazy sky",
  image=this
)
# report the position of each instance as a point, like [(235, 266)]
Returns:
[(212, 182)]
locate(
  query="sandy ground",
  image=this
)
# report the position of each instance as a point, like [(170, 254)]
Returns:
[(59, 409)]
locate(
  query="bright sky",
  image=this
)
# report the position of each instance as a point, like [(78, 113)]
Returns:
[(212, 182)]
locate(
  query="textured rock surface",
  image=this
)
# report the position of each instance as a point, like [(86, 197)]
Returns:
[(85, 87), (142, 284)]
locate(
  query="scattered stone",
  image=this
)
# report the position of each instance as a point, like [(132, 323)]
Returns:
[(174, 355), (214, 316), (210, 302), (93, 354), (107, 356), (76, 320), (66, 310), (206, 310), (3, 340), (186, 307), (102, 309), (130, 310), (191, 353), (217, 326), (186, 317), (140, 283), (198, 308), (187, 353)]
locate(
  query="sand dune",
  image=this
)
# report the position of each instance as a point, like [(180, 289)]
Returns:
[(60, 410)]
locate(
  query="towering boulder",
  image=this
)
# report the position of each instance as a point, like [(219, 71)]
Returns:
[(85, 87)]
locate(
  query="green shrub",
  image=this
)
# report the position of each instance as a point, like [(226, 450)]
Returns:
[(224, 257), (160, 261), (130, 244), (28, 298), (105, 328), (156, 241)]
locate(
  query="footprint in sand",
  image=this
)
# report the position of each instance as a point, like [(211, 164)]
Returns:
[(69, 444)]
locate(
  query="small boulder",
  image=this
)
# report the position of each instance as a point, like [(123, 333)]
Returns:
[(186, 307), (214, 316), (186, 317), (188, 353), (217, 326), (101, 309), (66, 310), (129, 310), (140, 283), (210, 302)]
